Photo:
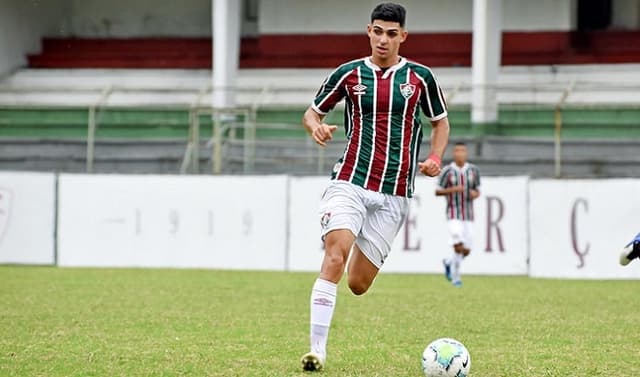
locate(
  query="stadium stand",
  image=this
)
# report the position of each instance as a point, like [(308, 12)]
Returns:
[(143, 119), (325, 51)]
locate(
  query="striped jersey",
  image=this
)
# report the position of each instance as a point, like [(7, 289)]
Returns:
[(460, 204), (381, 120)]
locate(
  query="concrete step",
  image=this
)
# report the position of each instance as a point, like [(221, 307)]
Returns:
[(494, 156)]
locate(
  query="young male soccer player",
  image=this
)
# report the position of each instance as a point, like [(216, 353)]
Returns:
[(366, 202), (459, 183), (631, 251)]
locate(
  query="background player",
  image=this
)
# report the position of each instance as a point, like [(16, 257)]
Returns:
[(631, 251), (459, 183), (366, 202)]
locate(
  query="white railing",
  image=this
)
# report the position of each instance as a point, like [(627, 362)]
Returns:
[(556, 96)]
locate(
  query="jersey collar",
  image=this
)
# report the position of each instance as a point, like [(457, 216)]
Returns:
[(455, 166), (389, 70)]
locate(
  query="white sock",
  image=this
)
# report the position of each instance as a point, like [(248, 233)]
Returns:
[(323, 300), (455, 266)]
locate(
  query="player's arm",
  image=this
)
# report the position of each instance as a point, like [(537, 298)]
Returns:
[(474, 193), (444, 186), (434, 107), (439, 140), (330, 93), (319, 131), (449, 190)]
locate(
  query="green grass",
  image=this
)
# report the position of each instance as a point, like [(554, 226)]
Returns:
[(105, 322)]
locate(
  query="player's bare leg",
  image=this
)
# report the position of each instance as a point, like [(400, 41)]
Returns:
[(337, 244), (631, 251), (361, 272)]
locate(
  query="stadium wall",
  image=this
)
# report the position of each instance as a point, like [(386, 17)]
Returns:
[(540, 228), (22, 26), (192, 18), (303, 17), (168, 221), (27, 218), (140, 18), (577, 225)]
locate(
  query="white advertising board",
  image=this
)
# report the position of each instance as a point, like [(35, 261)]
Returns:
[(27, 218), (500, 230), (305, 245), (171, 221), (578, 227)]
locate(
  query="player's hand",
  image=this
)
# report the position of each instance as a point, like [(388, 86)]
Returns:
[(431, 166), (458, 188), (323, 133), (474, 194)]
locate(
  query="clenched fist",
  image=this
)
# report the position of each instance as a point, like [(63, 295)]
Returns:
[(431, 166)]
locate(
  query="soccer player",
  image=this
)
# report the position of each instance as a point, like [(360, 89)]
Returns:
[(366, 201), (459, 183), (631, 251)]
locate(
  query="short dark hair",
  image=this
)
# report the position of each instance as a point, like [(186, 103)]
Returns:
[(460, 144), (389, 12)]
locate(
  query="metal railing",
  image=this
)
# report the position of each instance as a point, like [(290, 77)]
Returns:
[(558, 129), (92, 125), (226, 123)]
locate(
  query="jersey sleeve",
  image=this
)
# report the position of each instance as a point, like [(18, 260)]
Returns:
[(443, 179), (432, 99), (476, 178), (331, 91)]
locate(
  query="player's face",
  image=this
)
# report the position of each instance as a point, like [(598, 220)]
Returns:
[(460, 154), (385, 38)]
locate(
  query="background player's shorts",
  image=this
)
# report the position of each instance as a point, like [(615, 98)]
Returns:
[(461, 231), (374, 218)]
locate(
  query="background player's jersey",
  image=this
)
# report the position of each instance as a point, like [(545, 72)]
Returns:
[(382, 121), (460, 205)]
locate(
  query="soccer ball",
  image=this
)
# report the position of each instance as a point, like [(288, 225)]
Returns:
[(446, 358)]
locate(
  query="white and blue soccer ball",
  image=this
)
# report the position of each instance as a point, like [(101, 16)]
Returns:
[(446, 357)]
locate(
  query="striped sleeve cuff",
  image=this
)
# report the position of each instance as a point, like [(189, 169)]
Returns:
[(439, 116), (317, 109)]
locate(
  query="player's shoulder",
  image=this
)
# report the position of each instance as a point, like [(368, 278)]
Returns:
[(473, 167), (349, 66), (420, 69), (446, 169)]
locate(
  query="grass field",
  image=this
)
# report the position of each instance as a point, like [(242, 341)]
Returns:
[(103, 322)]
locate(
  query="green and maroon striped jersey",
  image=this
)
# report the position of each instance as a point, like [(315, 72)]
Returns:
[(382, 121), (460, 204)]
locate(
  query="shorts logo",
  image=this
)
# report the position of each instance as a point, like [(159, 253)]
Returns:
[(324, 222), (359, 89), (407, 90)]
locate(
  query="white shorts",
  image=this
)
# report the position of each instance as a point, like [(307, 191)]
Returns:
[(374, 218), (461, 231)]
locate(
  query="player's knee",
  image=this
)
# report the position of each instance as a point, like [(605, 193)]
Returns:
[(335, 260), (333, 266), (358, 287)]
